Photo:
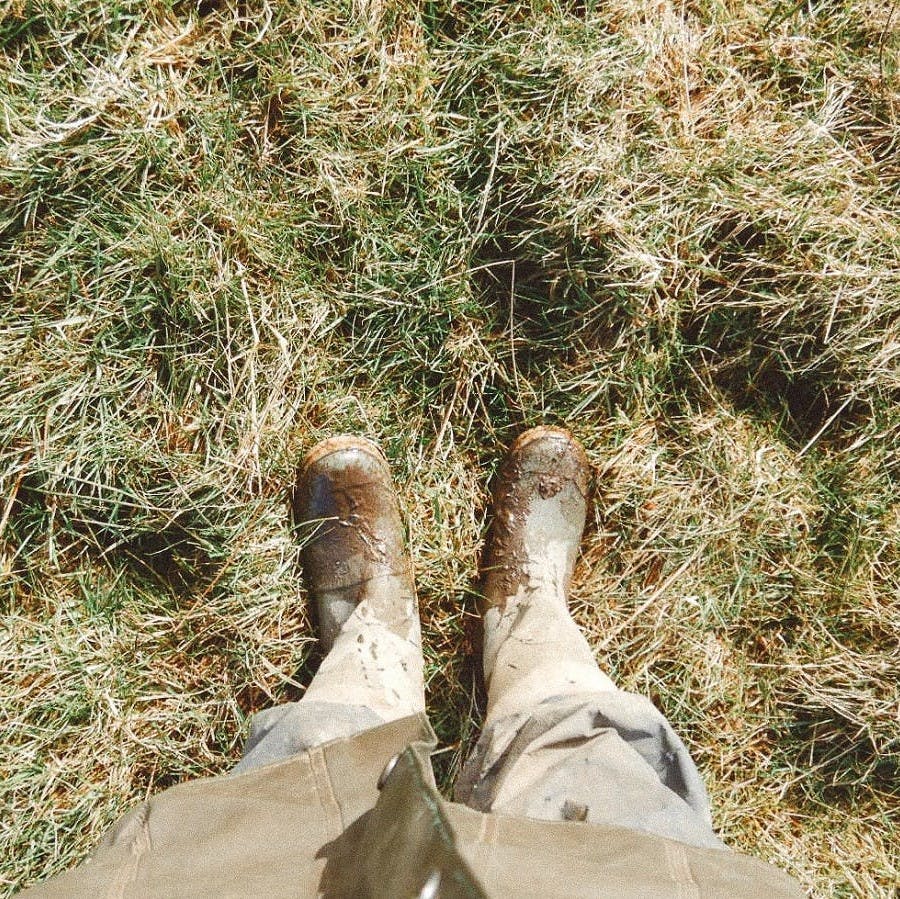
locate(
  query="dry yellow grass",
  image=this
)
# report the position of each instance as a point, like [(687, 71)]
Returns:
[(229, 229)]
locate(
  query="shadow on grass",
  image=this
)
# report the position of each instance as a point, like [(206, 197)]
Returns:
[(180, 549)]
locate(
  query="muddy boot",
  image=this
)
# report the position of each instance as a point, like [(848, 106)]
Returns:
[(359, 576), (533, 650)]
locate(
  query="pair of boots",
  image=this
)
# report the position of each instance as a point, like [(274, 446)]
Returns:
[(360, 578)]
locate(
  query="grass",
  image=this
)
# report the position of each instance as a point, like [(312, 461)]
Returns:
[(231, 228)]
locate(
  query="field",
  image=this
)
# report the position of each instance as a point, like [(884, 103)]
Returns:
[(229, 229)]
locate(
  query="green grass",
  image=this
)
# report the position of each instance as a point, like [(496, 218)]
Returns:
[(230, 229)]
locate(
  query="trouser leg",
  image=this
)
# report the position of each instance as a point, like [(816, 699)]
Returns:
[(533, 651), (561, 742), (370, 676)]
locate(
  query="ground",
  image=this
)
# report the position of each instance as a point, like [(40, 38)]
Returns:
[(231, 228)]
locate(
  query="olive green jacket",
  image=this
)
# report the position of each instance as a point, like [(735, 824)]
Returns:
[(361, 817)]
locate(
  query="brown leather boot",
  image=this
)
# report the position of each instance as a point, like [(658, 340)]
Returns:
[(348, 516)]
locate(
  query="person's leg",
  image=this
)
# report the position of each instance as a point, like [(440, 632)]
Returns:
[(359, 577), (560, 741)]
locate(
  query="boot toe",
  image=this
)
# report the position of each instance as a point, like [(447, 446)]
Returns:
[(551, 454)]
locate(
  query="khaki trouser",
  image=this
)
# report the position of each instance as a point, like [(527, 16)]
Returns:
[(575, 789), (560, 742), (322, 823)]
